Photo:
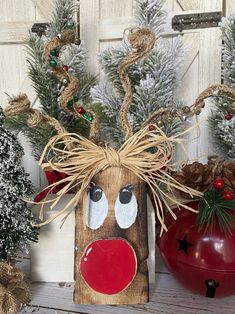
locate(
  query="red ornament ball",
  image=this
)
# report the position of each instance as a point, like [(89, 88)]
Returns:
[(228, 116), (218, 184), (109, 265), (65, 67), (201, 260), (81, 110), (228, 195), (152, 127)]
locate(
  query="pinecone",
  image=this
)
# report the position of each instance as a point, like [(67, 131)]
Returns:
[(224, 169), (196, 176), (228, 174)]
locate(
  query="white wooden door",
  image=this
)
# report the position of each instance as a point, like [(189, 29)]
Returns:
[(16, 18), (201, 69)]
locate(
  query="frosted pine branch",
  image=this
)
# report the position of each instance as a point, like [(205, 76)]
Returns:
[(154, 79), (150, 14)]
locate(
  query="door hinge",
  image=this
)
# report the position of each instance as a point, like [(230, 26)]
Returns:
[(196, 20), (39, 28)]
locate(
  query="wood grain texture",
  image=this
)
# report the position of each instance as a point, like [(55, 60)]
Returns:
[(89, 30), (44, 8), (13, 10), (111, 181), (166, 297)]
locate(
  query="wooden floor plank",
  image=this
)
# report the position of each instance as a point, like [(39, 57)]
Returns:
[(166, 297)]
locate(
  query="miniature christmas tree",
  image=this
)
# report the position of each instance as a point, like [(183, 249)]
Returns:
[(154, 79), (71, 59), (16, 230), (222, 120)]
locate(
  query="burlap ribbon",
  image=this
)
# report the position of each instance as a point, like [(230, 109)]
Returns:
[(14, 292)]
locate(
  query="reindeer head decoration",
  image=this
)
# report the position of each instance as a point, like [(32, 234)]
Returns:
[(110, 187)]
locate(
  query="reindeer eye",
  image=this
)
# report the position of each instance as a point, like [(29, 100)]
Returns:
[(125, 195), (97, 207), (126, 207), (95, 193)]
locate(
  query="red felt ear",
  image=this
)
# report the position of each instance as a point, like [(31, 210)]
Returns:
[(109, 265)]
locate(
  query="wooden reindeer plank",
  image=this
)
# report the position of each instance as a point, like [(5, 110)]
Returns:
[(112, 181)]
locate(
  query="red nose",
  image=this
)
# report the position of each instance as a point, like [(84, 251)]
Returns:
[(109, 265)]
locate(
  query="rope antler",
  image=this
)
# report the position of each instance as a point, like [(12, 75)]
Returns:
[(143, 41), (213, 90), (20, 105), (70, 82)]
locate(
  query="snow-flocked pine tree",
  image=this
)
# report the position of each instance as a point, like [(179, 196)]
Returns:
[(222, 121), (154, 79), (16, 230), (47, 85)]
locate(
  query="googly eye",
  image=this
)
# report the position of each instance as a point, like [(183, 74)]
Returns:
[(126, 207), (97, 207)]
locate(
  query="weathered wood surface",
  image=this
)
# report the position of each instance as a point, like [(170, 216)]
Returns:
[(136, 235), (166, 297)]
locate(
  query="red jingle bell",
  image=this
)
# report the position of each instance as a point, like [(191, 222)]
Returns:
[(202, 261), (65, 67), (229, 116), (81, 110)]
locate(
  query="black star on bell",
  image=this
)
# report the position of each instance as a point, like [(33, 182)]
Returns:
[(184, 245)]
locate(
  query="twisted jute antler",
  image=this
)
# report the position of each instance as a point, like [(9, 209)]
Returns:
[(142, 40), (66, 37), (14, 292), (20, 105), (71, 82), (82, 164), (218, 90)]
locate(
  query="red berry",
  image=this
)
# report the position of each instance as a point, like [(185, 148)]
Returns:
[(57, 53), (81, 110), (152, 127), (65, 67), (228, 195), (218, 184), (228, 116)]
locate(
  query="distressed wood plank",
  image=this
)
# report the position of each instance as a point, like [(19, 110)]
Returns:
[(41, 310), (14, 32), (166, 297), (12, 10), (115, 9), (189, 4), (89, 16), (229, 6), (191, 43), (44, 7), (114, 28), (136, 235)]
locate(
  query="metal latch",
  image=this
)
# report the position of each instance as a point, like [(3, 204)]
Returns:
[(39, 28), (196, 20)]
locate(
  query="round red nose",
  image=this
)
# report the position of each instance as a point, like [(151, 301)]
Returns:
[(109, 265)]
